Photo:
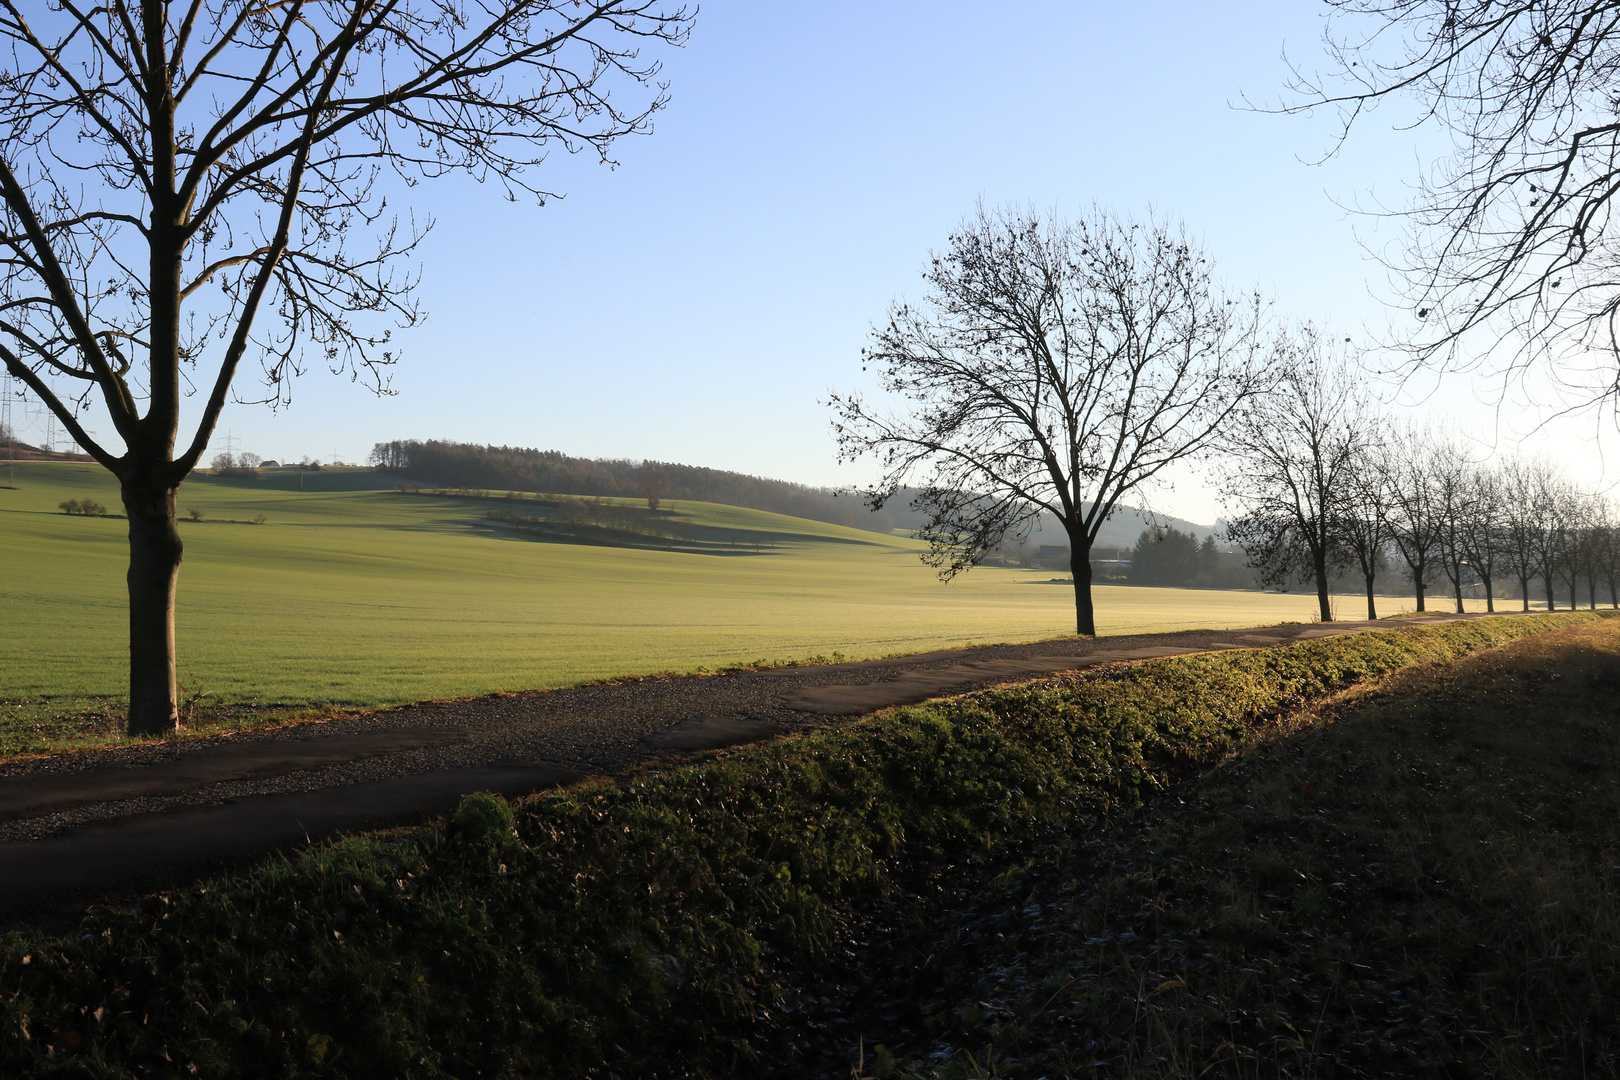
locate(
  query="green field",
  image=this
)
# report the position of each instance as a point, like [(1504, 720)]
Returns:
[(354, 595)]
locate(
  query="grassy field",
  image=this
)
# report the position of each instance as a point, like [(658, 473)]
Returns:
[(354, 595)]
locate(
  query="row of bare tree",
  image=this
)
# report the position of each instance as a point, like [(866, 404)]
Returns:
[(1054, 369), (1325, 482)]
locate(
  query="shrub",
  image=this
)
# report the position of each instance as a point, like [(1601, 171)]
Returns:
[(70, 506)]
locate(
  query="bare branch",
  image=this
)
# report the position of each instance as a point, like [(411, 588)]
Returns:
[(1511, 236)]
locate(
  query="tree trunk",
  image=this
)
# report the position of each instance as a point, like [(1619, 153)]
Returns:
[(1085, 618), (1490, 598), (1552, 601), (1524, 590), (1591, 592), (1319, 558), (154, 570), (1417, 581), (1372, 608)]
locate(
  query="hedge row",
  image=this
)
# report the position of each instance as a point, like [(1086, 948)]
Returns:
[(622, 918)]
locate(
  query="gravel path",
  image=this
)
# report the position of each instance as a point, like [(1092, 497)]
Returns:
[(76, 823)]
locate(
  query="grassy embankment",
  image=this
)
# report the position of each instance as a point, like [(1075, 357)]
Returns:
[(685, 917), (1418, 880), (353, 596)]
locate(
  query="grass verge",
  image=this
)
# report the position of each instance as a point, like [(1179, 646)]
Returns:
[(1421, 879), (652, 923)]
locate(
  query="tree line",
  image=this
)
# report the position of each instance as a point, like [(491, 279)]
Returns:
[(1328, 484), (1168, 557), (466, 465)]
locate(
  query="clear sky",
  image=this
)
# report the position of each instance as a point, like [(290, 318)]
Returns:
[(698, 302)]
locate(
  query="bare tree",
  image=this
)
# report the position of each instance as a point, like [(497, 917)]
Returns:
[(1586, 544), (1565, 524), (1514, 229), (1608, 553), (1363, 522), (654, 485), (172, 172), (1552, 496), (1449, 471), (1524, 487), (1415, 516), (1291, 455), (1052, 368), (1481, 531)]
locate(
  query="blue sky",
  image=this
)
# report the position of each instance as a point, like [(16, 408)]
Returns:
[(698, 302)]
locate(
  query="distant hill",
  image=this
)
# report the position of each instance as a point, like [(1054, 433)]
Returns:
[(498, 468), (1119, 531), (1122, 530), (17, 450), (464, 465)]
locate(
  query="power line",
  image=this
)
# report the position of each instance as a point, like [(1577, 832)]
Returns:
[(8, 429)]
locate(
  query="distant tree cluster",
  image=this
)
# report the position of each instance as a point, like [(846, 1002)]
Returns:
[(589, 513), (465, 465), (1171, 558), (244, 465), (82, 507)]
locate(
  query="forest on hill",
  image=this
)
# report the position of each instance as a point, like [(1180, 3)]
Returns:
[(465, 465), (14, 449)]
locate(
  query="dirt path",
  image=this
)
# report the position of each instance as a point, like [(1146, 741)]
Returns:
[(75, 824)]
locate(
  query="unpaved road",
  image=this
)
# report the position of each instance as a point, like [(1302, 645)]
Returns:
[(77, 824)]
